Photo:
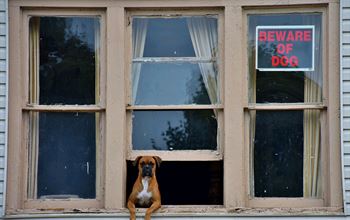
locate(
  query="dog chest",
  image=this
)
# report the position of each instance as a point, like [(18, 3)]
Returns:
[(144, 197)]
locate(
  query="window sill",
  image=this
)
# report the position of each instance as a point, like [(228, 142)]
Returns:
[(178, 211)]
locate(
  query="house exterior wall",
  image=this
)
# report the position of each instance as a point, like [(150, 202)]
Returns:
[(345, 93), (3, 99), (345, 105)]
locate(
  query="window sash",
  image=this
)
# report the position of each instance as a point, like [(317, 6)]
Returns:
[(285, 106), (183, 155), (30, 201), (174, 60)]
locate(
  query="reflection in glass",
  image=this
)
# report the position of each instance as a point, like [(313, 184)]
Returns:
[(278, 154), (68, 59), (193, 40), (174, 130), (285, 87), (166, 84), (279, 87), (67, 155)]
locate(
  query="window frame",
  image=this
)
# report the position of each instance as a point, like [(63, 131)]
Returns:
[(326, 119), (26, 108), (180, 155), (234, 83)]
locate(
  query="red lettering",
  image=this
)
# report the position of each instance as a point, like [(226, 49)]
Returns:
[(280, 35), (275, 61), (262, 36), (289, 47), (290, 36), (270, 36), (298, 36), (280, 48), (293, 60), (284, 49), (284, 61), (307, 35)]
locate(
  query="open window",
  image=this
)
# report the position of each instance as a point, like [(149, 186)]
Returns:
[(175, 109), (90, 89)]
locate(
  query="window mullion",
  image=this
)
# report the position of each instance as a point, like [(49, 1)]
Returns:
[(173, 107), (63, 108), (285, 106), (174, 60)]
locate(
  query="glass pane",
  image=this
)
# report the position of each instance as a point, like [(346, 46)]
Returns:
[(68, 50), (278, 153), (170, 37), (67, 155), (279, 87), (166, 84), (285, 86), (174, 130), (166, 37)]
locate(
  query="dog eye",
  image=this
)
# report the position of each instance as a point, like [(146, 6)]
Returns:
[(142, 163)]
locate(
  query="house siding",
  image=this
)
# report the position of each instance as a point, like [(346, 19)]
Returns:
[(345, 94), (3, 100), (345, 117)]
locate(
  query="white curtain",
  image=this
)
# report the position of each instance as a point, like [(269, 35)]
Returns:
[(204, 38), (312, 127), (138, 42), (34, 58)]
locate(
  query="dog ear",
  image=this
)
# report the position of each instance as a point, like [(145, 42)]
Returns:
[(136, 161), (158, 160)]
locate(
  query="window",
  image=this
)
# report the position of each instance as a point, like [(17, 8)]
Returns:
[(175, 106), (94, 85), (64, 60), (62, 115), (286, 108), (286, 144)]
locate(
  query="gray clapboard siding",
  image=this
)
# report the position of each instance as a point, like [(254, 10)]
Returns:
[(345, 76), (3, 100)]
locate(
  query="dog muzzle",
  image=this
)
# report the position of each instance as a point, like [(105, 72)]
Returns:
[(147, 170)]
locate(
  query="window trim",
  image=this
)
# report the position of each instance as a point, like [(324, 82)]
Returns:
[(233, 79), (24, 109)]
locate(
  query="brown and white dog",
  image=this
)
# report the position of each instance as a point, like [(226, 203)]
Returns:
[(145, 191)]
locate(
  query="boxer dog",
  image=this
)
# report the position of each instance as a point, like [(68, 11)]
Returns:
[(145, 191)]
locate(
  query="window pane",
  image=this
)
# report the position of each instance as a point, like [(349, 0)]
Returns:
[(278, 154), (279, 87), (285, 86), (166, 37), (166, 84), (68, 49), (174, 130), (66, 155)]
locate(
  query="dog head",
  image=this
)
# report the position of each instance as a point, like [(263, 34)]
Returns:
[(147, 165)]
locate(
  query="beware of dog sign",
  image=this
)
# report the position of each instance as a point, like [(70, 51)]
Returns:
[(285, 48)]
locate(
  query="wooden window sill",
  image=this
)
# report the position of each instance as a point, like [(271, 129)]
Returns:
[(178, 211)]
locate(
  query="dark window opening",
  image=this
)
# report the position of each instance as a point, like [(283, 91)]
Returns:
[(186, 183), (278, 154)]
